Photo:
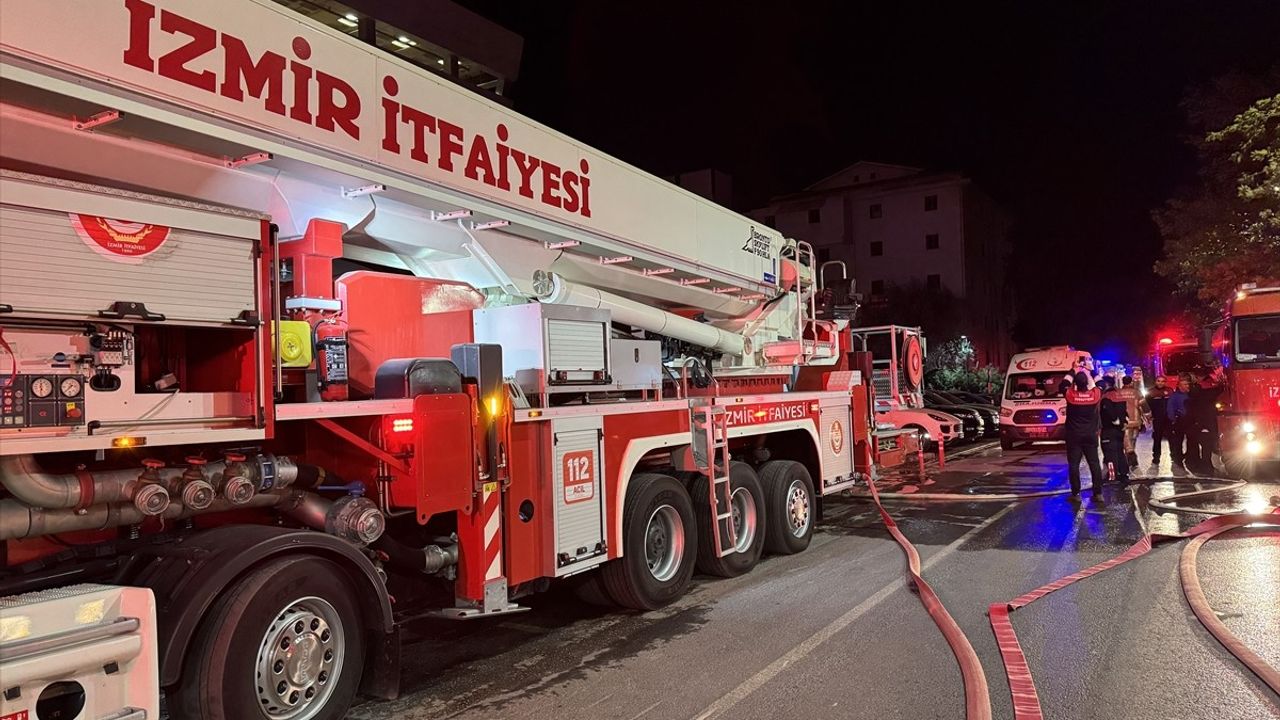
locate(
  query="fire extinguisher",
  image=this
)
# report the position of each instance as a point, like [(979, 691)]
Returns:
[(331, 359)]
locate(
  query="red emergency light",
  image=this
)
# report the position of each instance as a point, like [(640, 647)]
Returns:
[(1166, 340)]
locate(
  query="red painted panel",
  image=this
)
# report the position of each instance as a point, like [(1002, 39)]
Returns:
[(396, 316), (619, 431), (529, 553)]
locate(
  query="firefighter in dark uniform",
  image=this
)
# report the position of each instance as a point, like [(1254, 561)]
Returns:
[(1113, 413), (1157, 402), (1203, 410), (1082, 430)]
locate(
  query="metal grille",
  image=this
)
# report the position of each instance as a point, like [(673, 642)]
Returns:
[(45, 268), (579, 525), (1035, 417), (576, 347)]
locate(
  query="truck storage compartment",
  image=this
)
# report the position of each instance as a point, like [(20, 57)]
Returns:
[(73, 250)]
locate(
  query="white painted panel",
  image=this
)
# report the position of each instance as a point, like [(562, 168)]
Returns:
[(626, 206)]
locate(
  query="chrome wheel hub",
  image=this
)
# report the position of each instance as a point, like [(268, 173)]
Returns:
[(798, 515), (664, 543), (299, 659), (744, 519)]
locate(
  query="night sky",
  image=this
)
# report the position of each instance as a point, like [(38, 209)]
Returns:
[(1067, 113)]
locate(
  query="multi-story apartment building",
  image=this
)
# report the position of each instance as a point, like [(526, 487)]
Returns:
[(911, 228)]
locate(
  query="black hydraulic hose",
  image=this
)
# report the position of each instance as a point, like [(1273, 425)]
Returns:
[(430, 559)]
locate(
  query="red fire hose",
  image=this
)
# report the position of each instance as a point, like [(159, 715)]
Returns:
[(1026, 702), (977, 700)]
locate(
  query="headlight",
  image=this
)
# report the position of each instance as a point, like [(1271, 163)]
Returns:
[(1248, 427), (1253, 447)]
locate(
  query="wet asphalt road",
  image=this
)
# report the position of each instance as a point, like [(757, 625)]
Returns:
[(835, 633)]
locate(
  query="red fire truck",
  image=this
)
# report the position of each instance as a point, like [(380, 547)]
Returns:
[(305, 341), (1247, 343)]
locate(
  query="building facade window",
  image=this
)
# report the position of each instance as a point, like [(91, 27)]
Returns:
[(933, 282), (930, 203), (877, 249), (875, 211), (815, 216), (931, 241), (877, 288)]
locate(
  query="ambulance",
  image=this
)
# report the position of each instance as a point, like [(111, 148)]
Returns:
[(1032, 407)]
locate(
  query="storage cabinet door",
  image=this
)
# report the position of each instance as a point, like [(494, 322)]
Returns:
[(578, 494)]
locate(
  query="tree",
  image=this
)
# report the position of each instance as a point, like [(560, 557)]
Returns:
[(1226, 230)]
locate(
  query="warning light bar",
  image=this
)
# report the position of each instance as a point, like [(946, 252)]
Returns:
[(128, 442), (1166, 341), (402, 425)]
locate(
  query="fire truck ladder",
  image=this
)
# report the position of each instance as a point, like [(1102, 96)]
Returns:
[(711, 454)]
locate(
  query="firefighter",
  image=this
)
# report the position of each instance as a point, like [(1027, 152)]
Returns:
[(1082, 430), (1113, 412), (1129, 393), (1203, 409), (1157, 402), (1181, 447)]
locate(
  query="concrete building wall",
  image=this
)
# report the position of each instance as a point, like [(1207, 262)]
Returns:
[(907, 226)]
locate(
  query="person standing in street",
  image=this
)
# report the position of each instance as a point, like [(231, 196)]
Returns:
[(1128, 392), (1178, 411), (1113, 413), (1203, 409), (1082, 424), (1157, 402)]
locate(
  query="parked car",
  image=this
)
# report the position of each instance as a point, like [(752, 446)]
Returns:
[(945, 399), (933, 425), (973, 423)]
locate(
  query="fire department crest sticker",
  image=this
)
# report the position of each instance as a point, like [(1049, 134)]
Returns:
[(119, 240), (837, 437)]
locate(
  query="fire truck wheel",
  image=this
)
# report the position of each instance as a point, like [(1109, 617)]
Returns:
[(789, 506), (747, 506), (283, 643), (589, 588), (659, 544)]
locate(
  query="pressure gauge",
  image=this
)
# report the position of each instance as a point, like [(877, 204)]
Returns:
[(71, 387), (41, 387)]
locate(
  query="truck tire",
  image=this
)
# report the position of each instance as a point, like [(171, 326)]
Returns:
[(659, 544), (1006, 444), (747, 497), (284, 641), (589, 588), (789, 506)]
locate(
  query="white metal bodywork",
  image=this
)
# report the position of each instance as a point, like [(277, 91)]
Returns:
[(99, 636), (201, 273), (119, 63)]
